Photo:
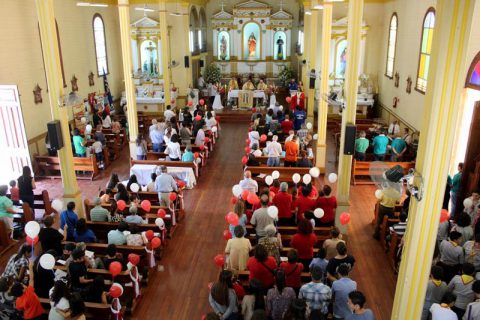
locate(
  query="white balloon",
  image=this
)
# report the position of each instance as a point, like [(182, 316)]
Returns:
[(272, 212), (270, 134), (88, 129), (378, 194), (32, 228), (309, 126), (214, 129), (57, 205), (134, 187), (332, 177), (307, 178), (275, 174), (237, 190), (83, 120), (280, 108), (296, 178), (318, 213), (198, 160), (160, 223), (315, 136), (314, 172), (47, 261), (268, 180), (257, 153), (467, 203)]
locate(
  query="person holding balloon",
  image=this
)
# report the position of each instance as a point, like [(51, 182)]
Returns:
[(42, 273), (27, 301)]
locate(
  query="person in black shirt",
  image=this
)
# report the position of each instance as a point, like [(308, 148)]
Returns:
[(26, 184), (341, 258), (43, 279), (96, 292), (187, 117), (78, 271), (51, 238), (111, 256)]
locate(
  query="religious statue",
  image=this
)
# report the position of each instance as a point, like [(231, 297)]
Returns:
[(409, 85), (233, 84), (91, 82), (248, 85), (397, 79), (223, 48), (280, 43), (74, 83), (343, 62), (37, 94), (252, 46)]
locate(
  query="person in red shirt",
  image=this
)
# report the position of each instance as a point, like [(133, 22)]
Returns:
[(283, 201), (287, 125), (14, 192), (304, 241), (293, 270), (328, 203), (262, 266), (304, 203), (275, 186), (27, 301)]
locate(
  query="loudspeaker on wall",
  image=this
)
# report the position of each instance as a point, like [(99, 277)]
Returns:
[(187, 62), (350, 132), (55, 135)]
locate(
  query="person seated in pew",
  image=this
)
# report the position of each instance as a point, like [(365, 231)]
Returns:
[(44, 279), (51, 238), (186, 135), (135, 238), (188, 155), (157, 138), (164, 185), (238, 250), (248, 183), (328, 203), (272, 242), (99, 135), (398, 148), (96, 292), (304, 241), (151, 184), (117, 236), (131, 180), (59, 296), (320, 261), (98, 213), (293, 270), (279, 297), (77, 270), (304, 162), (304, 202), (260, 218), (111, 256), (122, 193), (275, 187), (77, 307), (66, 255), (341, 257), (316, 294), (82, 233), (112, 182), (283, 201), (133, 217), (7, 301), (262, 266), (361, 146), (69, 218), (114, 215), (27, 301)]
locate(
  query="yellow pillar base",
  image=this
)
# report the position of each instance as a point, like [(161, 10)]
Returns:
[(321, 156), (341, 207)]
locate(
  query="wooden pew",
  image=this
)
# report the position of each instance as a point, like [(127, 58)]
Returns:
[(112, 143), (41, 201), (155, 156), (286, 238), (49, 167), (286, 173), (362, 169), (178, 164), (93, 310), (122, 135), (394, 246)]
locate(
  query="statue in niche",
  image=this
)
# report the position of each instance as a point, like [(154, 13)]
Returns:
[(223, 48), (252, 46), (74, 83), (280, 44), (91, 82), (343, 62), (37, 94), (397, 79), (409, 85)]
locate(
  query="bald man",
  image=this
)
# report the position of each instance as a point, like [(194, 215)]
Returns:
[(248, 183)]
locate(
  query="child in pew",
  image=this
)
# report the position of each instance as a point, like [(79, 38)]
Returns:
[(111, 256)]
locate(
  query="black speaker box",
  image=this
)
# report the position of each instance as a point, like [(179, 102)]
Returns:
[(201, 63), (187, 62), (55, 134), (350, 132)]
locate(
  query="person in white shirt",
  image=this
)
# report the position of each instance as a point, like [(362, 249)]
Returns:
[(443, 311), (98, 150), (169, 132), (173, 149), (156, 136), (254, 137), (274, 151), (168, 114), (406, 136), (291, 133), (210, 121), (107, 122), (151, 184), (153, 126), (200, 138), (248, 183), (394, 128)]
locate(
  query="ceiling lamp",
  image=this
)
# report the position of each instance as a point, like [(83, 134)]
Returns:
[(318, 7), (88, 4), (144, 9), (308, 13)]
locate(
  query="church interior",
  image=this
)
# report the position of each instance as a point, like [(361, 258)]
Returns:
[(240, 159)]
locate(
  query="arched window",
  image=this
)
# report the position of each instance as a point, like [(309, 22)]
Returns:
[(100, 45), (473, 77), (425, 50), (391, 48)]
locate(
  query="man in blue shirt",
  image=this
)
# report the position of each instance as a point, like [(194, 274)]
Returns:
[(70, 218), (380, 144), (300, 117), (399, 147), (316, 294), (292, 86), (156, 136), (340, 290)]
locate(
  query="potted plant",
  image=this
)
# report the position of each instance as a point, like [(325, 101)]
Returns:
[(212, 74)]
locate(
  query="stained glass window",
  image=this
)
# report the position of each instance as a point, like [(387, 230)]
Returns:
[(392, 41), (425, 50), (473, 80), (100, 45)]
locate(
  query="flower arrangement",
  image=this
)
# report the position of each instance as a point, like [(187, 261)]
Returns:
[(285, 75), (212, 74)]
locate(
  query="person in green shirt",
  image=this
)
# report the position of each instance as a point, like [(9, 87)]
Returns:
[(6, 210), (79, 144), (188, 155), (399, 147), (380, 144), (455, 190), (361, 146)]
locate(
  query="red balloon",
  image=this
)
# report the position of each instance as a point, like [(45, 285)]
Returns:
[(31, 241), (149, 235), (172, 196), (244, 160), (288, 99), (195, 155), (247, 149), (232, 218), (181, 184), (219, 260), (207, 140), (227, 235), (172, 101), (115, 291), (161, 213), (345, 218), (234, 200), (156, 242), (202, 102), (190, 103), (252, 198), (198, 118), (121, 205), (115, 268), (263, 137), (272, 194), (146, 205), (245, 194), (247, 141), (133, 258), (202, 147), (254, 110), (444, 215)]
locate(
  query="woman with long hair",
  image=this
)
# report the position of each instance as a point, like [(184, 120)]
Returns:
[(131, 180), (112, 183), (96, 292), (17, 266), (279, 297), (141, 147), (173, 150), (26, 185), (114, 215), (59, 301), (44, 279), (222, 297), (122, 193), (239, 209), (77, 307)]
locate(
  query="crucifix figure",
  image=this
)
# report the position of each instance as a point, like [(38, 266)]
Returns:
[(151, 67)]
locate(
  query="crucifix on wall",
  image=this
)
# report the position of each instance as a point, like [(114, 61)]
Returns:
[(397, 79)]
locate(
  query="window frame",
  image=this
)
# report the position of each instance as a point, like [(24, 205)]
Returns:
[(394, 15), (430, 10), (475, 61), (95, 16)]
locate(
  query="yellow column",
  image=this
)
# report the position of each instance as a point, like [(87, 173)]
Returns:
[(445, 84), (165, 49), (323, 105), (306, 46), (312, 63), (124, 15), (51, 59), (355, 14), (186, 45)]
